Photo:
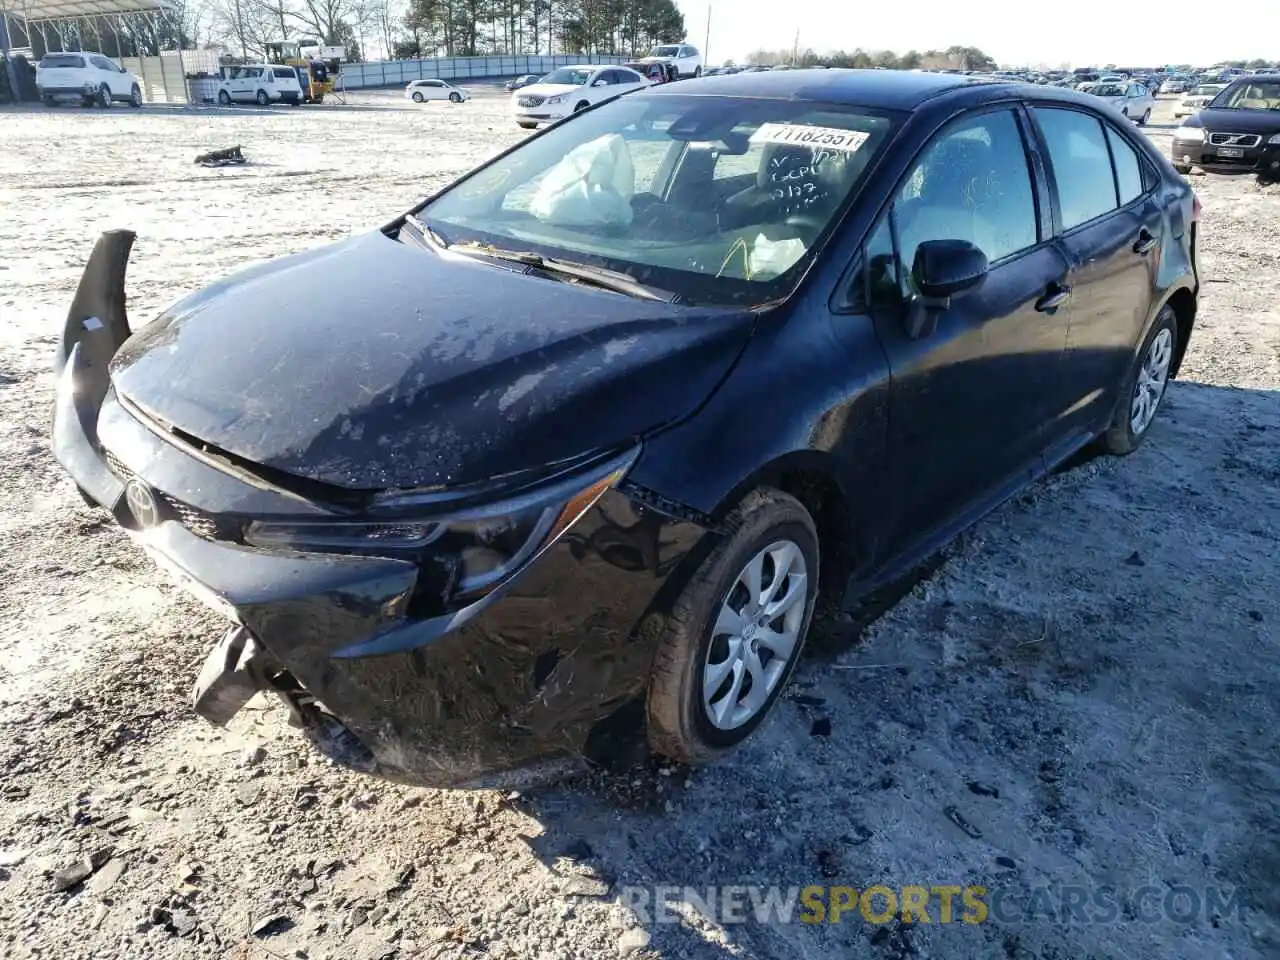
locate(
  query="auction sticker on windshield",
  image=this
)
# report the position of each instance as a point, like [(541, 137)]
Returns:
[(802, 135)]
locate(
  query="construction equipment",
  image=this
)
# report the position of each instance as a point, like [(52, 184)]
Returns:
[(317, 65)]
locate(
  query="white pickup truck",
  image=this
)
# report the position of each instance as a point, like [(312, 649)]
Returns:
[(87, 78)]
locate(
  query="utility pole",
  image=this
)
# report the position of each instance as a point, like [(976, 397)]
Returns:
[(706, 43), (795, 48)]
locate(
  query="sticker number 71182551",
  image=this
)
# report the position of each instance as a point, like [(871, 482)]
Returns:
[(800, 135)]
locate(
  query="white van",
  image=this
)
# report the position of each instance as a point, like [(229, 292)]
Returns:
[(260, 83)]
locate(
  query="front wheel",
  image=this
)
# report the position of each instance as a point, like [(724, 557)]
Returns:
[(262, 98), (1144, 387), (1182, 168), (455, 97), (1146, 118), (526, 125), (582, 105), (735, 632), (104, 97), (224, 98), (135, 97)]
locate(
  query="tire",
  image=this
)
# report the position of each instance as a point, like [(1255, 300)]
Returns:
[(681, 721), (455, 97), (526, 125), (418, 97), (224, 98), (50, 101), (263, 99), (1146, 118), (1158, 350), (104, 97), (582, 105), (135, 97), (697, 72), (319, 99), (1182, 168)]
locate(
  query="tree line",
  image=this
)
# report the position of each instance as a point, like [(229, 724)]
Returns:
[(953, 58), (468, 28)]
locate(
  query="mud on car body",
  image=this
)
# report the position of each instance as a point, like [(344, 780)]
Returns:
[(576, 441)]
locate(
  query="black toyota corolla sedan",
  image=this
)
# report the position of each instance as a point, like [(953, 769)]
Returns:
[(574, 445), (1238, 132)]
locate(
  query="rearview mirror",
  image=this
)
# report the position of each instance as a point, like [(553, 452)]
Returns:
[(941, 271)]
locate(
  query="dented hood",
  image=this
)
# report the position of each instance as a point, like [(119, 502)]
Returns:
[(370, 364)]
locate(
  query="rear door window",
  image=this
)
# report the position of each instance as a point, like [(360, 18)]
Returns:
[(1081, 164)]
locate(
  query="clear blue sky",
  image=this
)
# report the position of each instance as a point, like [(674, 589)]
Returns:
[(1079, 32)]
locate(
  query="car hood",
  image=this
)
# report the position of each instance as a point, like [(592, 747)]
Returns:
[(1240, 121), (371, 364), (550, 89)]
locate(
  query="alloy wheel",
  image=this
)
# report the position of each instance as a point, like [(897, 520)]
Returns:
[(1153, 377), (755, 635)]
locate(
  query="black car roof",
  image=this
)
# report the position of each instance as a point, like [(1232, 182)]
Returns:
[(878, 89)]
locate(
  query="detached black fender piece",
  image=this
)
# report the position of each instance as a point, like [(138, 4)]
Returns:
[(97, 325)]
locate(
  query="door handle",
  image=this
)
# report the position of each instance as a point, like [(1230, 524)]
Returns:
[(1145, 243), (1054, 297)]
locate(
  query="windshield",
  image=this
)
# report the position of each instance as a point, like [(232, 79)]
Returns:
[(55, 60), (1203, 91), (1107, 90), (572, 75), (1255, 95), (668, 51), (718, 199)]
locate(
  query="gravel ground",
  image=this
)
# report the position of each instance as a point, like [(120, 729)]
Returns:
[(1081, 694)]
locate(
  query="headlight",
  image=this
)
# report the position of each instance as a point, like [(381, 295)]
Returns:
[(1275, 140), (559, 99), (1195, 134), (475, 548)]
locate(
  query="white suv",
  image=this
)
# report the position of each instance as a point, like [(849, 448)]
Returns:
[(260, 83), (86, 78), (687, 59)]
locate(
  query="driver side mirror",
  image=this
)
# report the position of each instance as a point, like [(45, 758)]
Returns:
[(600, 83), (942, 270)]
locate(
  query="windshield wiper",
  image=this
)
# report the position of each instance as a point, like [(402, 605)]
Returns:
[(584, 273)]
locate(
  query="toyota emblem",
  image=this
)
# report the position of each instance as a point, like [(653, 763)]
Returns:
[(141, 503)]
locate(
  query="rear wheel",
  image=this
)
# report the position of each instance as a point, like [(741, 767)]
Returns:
[(135, 97), (418, 97), (224, 98), (735, 632), (1144, 387), (262, 98)]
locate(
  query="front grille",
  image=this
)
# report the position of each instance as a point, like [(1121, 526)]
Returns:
[(531, 101), (197, 521), (1235, 139), (116, 467)]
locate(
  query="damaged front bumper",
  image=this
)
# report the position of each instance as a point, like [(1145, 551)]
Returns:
[(534, 678)]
